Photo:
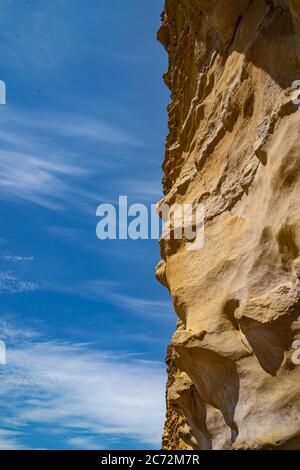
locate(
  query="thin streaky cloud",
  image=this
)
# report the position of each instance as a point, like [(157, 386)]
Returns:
[(144, 191), (10, 283), (9, 440), (15, 259), (16, 334), (108, 291), (62, 124), (83, 392), (38, 166), (84, 443)]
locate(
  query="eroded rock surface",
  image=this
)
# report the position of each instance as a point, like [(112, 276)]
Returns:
[(234, 146)]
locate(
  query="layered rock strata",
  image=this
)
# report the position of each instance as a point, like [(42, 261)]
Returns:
[(234, 146)]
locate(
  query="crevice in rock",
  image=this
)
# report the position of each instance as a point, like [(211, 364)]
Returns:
[(229, 309)]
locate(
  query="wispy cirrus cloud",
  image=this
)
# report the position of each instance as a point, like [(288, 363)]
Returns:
[(40, 161), (29, 178), (9, 440), (112, 292), (16, 335), (145, 191), (68, 125), (10, 283), (84, 443), (143, 306), (92, 396), (9, 258)]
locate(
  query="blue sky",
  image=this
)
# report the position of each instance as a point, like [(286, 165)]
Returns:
[(85, 322)]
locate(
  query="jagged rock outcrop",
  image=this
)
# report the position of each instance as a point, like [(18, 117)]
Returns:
[(234, 146)]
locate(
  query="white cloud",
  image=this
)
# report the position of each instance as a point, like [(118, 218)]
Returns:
[(26, 177), (60, 124), (9, 440), (145, 306), (16, 335), (38, 162), (82, 392), (144, 191), (84, 443), (15, 259), (107, 291), (79, 127), (12, 284)]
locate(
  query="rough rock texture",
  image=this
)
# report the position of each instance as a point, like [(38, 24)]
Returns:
[(234, 145)]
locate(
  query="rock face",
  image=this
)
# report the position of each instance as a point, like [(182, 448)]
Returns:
[(234, 146)]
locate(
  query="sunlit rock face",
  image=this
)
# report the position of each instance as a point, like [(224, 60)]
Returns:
[(234, 146)]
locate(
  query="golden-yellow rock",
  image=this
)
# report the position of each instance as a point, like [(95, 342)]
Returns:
[(234, 145)]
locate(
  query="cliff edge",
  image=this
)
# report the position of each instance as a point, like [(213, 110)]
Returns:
[(234, 146)]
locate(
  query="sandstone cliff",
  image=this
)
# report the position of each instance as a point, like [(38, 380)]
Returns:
[(234, 145)]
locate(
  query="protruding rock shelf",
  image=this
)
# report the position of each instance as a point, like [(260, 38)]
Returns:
[(234, 144)]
